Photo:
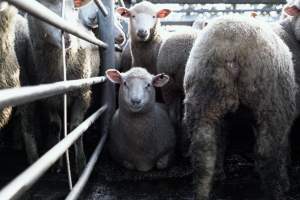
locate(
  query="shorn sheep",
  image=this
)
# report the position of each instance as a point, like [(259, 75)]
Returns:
[(141, 135), (226, 71), (144, 33)]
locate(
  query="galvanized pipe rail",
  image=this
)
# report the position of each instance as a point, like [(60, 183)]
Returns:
[(38, 10), (18, 96), (101, 7), (26, 179), (79, 186)]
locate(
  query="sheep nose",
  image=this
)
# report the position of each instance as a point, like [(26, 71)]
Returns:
[(136, 101), (142, 33)]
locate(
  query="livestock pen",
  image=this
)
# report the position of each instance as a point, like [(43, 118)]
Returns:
[(101, 178)]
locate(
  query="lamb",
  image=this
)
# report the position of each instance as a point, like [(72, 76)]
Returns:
[(141, 134), (172, 58), (225, 72), (288, 30), (10, 69), (144, 33), (83, 61)]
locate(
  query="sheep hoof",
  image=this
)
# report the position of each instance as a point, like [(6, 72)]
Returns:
[(128, 165), (163, 162)]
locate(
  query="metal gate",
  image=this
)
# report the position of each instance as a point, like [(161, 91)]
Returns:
[(19, 96)]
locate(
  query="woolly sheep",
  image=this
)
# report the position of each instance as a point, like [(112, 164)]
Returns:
[(225, 71), (288, 30), (172, 58), (82, 60)]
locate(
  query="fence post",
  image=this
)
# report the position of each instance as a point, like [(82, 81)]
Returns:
[(107, 61)]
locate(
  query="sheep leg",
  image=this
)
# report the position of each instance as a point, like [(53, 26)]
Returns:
[(271, 154), (165, 160), (203, 151), (128, 165), (201, 121), (79, 109), (28, 132), (54, 133), (221, 143)]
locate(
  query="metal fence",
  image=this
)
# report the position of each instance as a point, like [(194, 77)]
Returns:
[(18, 96)]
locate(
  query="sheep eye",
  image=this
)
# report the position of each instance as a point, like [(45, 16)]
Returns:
[(133, 16), (124, 83), (153, 16), (148, 85)]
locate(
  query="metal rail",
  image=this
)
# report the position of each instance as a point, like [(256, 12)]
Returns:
[(65, 98), (101, 7), (18, 96), (38, 10), (78, 187), (26, 179)]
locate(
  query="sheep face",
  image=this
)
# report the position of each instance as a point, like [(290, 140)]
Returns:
[(292, 8), (51, 34), (137, 88), (143, 18), (88, 17)]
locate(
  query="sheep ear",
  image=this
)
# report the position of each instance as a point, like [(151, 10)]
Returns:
[(114, 75), (124, 12), (291, 10), (163, 13), (81, 3), (160, 80), (3, 5), (253, 14)]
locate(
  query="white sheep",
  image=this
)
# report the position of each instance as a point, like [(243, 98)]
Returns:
[(141, 135)]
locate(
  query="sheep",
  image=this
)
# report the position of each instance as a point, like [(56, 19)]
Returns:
[(82, 60), (288, 30), (14, 60), (10, 69), (24, 120), (172, 58), (225, 72), (88, 16), (144, 33), (199, 24), (126, 59), (141, 135)]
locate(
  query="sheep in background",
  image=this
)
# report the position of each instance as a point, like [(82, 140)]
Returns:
[(199, 24), (141, 134), (88, 16), (288, 30), (144, 33), (83, 61), (10, 69), (224, 72), (172, 58)]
